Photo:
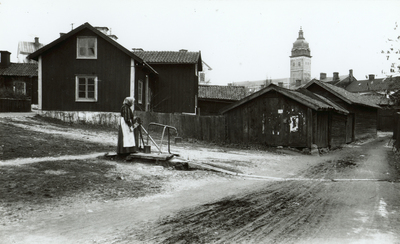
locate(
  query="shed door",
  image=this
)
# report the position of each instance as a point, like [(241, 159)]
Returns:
[(321, 136), (350, 128)]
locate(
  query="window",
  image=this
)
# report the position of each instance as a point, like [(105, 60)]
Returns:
[(202, 77), (86, 88), (140, 92), (19, 87), (86, 47)]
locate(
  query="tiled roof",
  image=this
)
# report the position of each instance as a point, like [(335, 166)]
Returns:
[(322, 99), (222, 92), (20, 69), (168, 57), (372, 85), (343, 94), (378, 99)]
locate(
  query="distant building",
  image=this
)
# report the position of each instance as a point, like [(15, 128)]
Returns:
[(204, 75), (300, 69), (26, 48), (21, 78), (338, 80), (300, 62)]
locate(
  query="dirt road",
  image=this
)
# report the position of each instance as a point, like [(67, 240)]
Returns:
[(346, 196)]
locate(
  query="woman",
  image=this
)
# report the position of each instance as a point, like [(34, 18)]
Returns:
[(126, 137)]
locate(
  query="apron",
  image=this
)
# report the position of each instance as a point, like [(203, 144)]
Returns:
[(127, 136)]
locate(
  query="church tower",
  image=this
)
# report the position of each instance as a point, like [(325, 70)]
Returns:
[(300, 62)]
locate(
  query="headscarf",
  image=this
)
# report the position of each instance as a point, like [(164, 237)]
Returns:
[(128, 101)]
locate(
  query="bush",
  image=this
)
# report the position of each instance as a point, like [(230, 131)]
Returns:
[(9, 93)]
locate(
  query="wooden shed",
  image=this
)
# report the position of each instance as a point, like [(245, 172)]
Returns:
[(362, 117), (213, 98), (276, 116)]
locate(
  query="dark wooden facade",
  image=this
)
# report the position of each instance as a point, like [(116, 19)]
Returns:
[(176, 89), (275, 118), (112, 67), (212, 106), (362, 118)]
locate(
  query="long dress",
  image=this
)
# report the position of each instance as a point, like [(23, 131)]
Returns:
[(126, 138)]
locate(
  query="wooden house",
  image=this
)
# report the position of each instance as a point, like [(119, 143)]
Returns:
[(380, 91), (87, 70), (362, 117), (276, 116), (178, 81), (213, 98), (21, 78)]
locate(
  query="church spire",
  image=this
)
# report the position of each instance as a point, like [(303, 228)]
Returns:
[(300, 46), (300, 34)]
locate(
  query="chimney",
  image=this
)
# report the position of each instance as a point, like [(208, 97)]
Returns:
[(280, 84), (4, 58), (335, 76), (36, 41), (351, 77), (61, 34), (322, 76), (298, 82), (102, 29), (371, 77)]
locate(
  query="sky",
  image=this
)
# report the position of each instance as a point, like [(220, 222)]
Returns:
[(241, 40)]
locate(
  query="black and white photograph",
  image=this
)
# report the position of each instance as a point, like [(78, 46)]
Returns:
[(199, 121)]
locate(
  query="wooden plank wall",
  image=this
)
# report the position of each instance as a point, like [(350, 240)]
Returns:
[(365, 124), (270, 119), (338, 133), (15, 105), (386, 119)]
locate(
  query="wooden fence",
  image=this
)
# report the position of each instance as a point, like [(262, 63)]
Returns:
[(15, 105), (205, 128)]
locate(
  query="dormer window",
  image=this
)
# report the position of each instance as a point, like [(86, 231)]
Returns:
[(86, 47)]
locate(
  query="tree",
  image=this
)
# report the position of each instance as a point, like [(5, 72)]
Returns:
[(392, 51)]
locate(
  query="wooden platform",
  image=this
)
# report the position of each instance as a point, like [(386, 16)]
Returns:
[(150, 156)]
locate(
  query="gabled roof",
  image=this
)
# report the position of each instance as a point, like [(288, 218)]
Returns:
[(381, 84), (346, 96), (170, 57), (66, 36), (234, 93), (303, 98), (323, 99), (20, 69)]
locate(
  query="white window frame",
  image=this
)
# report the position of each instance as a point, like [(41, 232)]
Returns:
[(23, 91), (78, 55), (86, 98), (140, 92)]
